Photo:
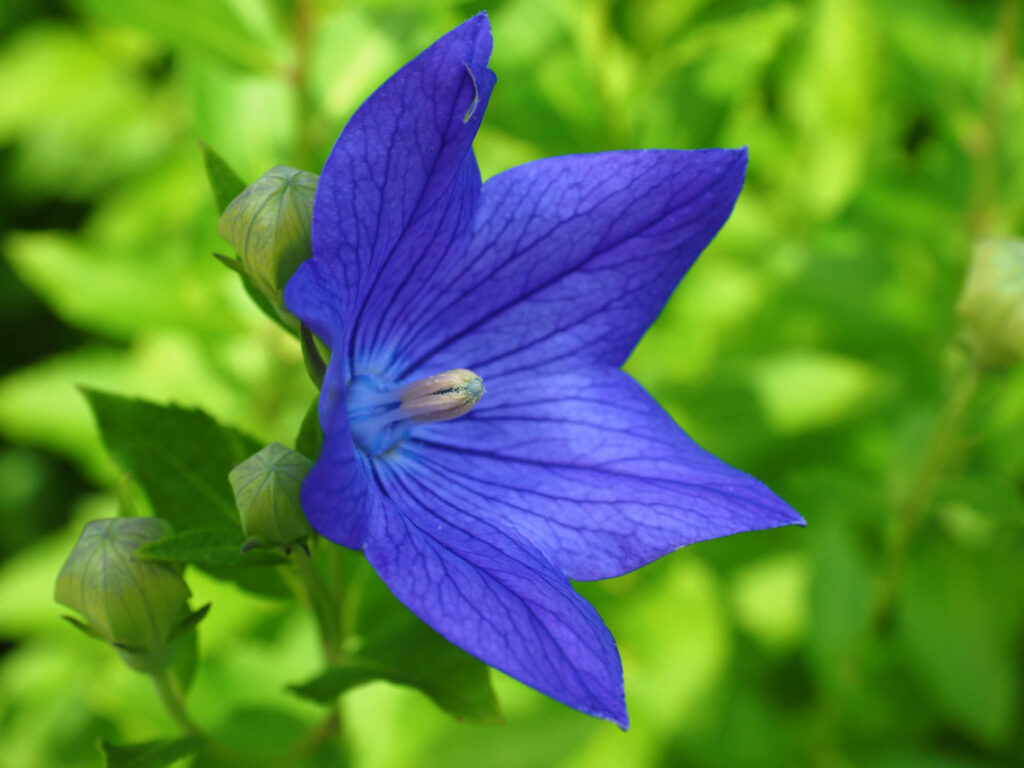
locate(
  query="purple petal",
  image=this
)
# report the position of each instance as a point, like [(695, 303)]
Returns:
[(591, 470), (401, 183), (311, 299), (495, 596), (339, 494), (570, 260)]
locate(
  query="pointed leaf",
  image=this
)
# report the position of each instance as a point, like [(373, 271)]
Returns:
[(311, 436), (399, 648), (254, 293), (218, 547), (148, 754), (224, 182), (181, 457), (960, 640)]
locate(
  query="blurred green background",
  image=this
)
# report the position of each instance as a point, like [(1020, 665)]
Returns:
[(812, 345)]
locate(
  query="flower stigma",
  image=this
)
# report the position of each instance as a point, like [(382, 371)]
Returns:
[(380, 415)]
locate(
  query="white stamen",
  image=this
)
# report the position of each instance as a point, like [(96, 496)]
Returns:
[(441, 397), (380, 416)]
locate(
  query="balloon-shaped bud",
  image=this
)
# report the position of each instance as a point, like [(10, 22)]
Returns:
[(266, 487), (269, 225), (991, 305), (137, 605)]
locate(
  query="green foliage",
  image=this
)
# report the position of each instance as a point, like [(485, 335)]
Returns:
[(216, 547), (224, 182), (149, 754), (269, 224), (133, 605), (226, 185), (266, 487), (180, 457), (210, 28), (811, 345), (256, 735), (962, 647), (393, 645), (311, 436), (458, 686)]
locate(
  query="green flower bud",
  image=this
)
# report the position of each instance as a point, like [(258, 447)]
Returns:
[(269, 226), (991, 305), (266, 487), (136, 605)]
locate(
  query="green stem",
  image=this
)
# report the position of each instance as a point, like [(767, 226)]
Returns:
[(323, 604), (174, 701), (912, 508), (316, 368), (326, 608), (909, 512), (312, 590)]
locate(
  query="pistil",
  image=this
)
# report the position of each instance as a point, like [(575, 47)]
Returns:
[(381, 415)]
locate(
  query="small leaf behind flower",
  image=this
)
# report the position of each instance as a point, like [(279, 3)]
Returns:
[(311, 436), (224, 182), (148, 754), (218, 547), (181, 458), (398, 647), (254, 293)]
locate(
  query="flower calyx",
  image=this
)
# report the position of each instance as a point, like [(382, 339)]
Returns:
[(138, 606), (266, 488)]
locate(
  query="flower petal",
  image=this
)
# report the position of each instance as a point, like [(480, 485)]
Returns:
[(339, 494), (570, 260), (401, 181), (494, 596), (310, 299), (591, 470)]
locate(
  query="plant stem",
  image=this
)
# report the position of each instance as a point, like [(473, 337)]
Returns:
[(909, 512), (326, 608), (174, 701), (912, 508), (323, 604)]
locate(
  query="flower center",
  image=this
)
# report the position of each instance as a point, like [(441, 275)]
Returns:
[(382, 414)]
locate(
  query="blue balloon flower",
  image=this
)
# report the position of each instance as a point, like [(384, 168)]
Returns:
[(429, 286)]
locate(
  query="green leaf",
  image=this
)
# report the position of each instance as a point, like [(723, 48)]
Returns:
[(185, 656), (212, 29), (311, 436), (254, 293), (261, 735), (181, 457), (959, 638), (218, 547), (261, 301), (82, 626), (148, 754), (398, 647), (225, 183), (234, 264), (839, 600), (316, 368)]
